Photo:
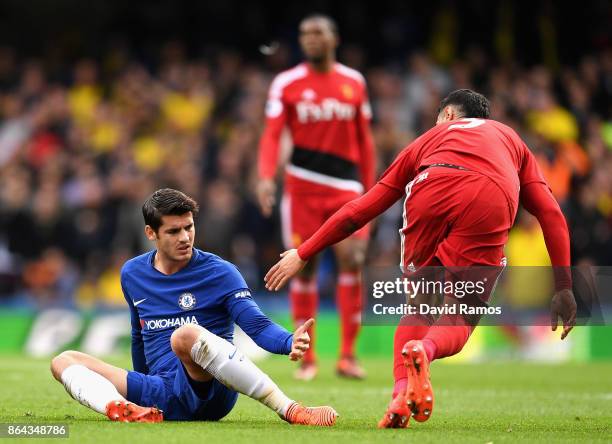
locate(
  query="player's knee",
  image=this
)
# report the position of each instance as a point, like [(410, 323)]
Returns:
[(60, 362), (205, 346), (183, 338)]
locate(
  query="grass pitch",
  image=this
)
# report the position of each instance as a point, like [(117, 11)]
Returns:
[(493, 402)]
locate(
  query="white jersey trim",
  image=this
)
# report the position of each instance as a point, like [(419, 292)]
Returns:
[(350, 72), (324, 179), (286, 78), (404, 225), (420, 178)]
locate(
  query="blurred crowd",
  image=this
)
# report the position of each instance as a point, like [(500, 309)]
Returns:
[(81, 147)]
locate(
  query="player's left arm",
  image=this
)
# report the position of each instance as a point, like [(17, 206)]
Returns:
[(367, 158), (267, 334), (538, 200)]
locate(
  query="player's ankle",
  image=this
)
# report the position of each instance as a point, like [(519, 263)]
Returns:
[(399, 386), (430, 349), (282, 413), (289, 411)]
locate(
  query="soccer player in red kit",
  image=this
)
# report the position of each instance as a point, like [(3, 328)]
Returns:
[(324, 105), (462, 180)]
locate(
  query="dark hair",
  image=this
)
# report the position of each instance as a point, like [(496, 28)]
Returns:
[(333, 26), (166, 202), (471, 103)]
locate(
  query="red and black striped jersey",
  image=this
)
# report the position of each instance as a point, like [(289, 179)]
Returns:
[(328, 115)]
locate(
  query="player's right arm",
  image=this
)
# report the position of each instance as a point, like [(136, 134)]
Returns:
[(269, 147), (348, 219), (538, 200), (139, 361)]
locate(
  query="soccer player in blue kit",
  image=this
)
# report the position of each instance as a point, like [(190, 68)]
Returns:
[(184, 303)]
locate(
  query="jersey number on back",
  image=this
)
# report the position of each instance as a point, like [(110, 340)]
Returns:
[(469, 123)]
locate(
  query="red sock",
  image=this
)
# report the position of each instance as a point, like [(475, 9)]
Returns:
[(447, 337), (304, 300), (410, 327), (348, 301)]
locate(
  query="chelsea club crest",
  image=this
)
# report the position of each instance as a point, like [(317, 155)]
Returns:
[(187, 301)]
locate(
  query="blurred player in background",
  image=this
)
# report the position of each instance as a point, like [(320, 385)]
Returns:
[(462, 181), (184, 303), (324, 104)]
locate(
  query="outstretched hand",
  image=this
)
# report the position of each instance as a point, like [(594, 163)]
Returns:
[(283, 270), (301, 341), (563, 305)]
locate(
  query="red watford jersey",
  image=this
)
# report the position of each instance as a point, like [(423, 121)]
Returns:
[(485, 146), (328, 116)]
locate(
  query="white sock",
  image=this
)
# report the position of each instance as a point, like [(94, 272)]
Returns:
[(234, 370), (89, 388)]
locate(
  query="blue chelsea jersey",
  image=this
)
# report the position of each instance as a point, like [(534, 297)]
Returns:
[(208, 291)]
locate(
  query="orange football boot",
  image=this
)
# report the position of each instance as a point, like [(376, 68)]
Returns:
[(397, 414), (347, 367), (419, 394), (124, 411), (307, 371), (319, 416)]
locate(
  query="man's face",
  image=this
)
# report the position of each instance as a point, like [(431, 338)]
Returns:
[(174, 237), (317, 39)]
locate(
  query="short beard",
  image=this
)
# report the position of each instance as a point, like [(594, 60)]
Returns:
[(316, 60)]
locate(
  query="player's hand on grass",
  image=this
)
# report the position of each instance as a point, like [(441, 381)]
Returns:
[(283, 270), (301, 341), (563, 305), (266, 196)]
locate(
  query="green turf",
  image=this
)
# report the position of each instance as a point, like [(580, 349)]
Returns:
[(481, 403)]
